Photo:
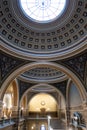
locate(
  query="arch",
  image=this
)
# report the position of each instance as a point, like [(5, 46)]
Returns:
[(43, 92), (11, 99), (62, 68), (61, 105), (69, 85), (23, 103), (15, 92), (42, 102), (67, 92)]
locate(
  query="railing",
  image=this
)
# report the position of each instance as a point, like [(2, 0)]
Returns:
[(35, 123), (4, 121), (6, 124), (53, 123)]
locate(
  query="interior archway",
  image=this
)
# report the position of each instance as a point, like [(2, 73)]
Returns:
[(10, 100), (65, 70), (43, 104), (43, 50)]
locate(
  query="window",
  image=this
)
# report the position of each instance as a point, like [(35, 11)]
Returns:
[(42, 11)]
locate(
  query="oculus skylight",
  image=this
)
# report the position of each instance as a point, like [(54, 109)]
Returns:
[(42, 10)]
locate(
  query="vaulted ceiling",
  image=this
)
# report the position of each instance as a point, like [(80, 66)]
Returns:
[(43, 52)]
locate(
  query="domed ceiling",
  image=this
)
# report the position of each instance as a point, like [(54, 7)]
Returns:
[(43, 73), (28, 39)]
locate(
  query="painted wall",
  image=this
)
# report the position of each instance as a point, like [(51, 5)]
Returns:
[(74, 96)]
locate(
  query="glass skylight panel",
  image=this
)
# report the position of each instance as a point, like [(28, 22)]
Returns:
[(42, 10)]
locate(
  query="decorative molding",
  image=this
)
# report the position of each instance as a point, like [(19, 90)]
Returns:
[(77, 108), (43, 74)]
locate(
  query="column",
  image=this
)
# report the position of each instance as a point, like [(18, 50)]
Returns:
[(68, 116), (59, 101), (1, 108), (14, 111)]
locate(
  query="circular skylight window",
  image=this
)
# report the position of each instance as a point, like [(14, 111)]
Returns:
[(43, 10)]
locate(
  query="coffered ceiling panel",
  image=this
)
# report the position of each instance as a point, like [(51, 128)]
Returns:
[(29, 39)]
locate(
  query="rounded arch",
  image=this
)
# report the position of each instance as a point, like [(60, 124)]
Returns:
[(69, 85), (28, 66), (44, 91), (11, 99), (15, 92), (23, 102), (42, 100), (67, 92)]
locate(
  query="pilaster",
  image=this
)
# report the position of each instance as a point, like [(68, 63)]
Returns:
[(1, 106), (68, 116)]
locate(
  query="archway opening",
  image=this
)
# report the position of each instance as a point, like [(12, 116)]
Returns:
[(42, 105), (44, 109), (10, 101)]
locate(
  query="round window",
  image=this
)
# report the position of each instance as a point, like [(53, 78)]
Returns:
[(43, 11)]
